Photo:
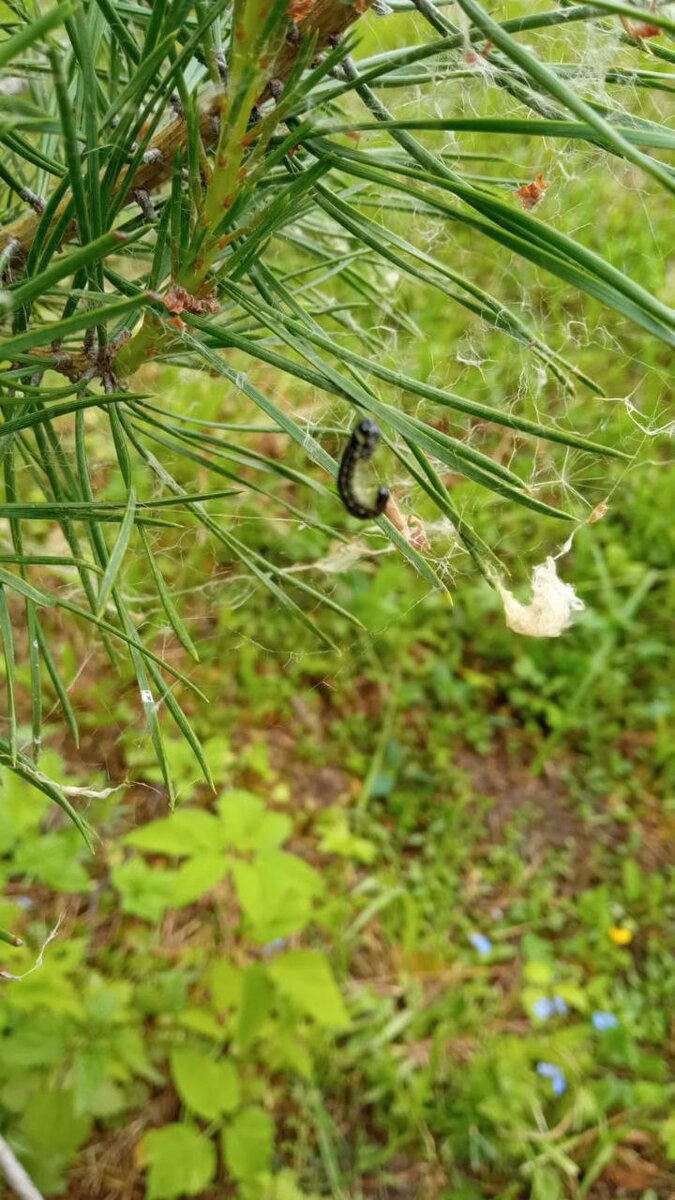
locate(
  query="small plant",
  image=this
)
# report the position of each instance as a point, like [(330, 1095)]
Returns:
[(76, 1047)]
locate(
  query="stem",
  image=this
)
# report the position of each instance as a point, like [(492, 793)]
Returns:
[(146, 343), (17, 1178), (258, 54)]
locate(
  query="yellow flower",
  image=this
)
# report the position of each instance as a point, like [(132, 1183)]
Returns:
[(620, 937)]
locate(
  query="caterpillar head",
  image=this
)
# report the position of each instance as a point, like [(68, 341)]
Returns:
[(366, 435)]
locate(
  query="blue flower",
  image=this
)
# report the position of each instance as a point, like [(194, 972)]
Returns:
[(543, 1008), (557, 1077), (481, 943), (604, 1020)]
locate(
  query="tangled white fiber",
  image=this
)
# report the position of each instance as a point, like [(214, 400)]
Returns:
[(550, 610)]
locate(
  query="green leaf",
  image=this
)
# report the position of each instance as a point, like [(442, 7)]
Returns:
[(88, 1076), (257, 995), (30, 775), (305, 978), (186, 831), (225, 982), (21, 810), (248, 1144), (146, 892), (247, 825), (196, 877), (131, 1049), (208, 1088), (546, 1183), (40, 1042), (181, 1162), (203, 1023), (276, 893), (51, 1132), (52, 859)]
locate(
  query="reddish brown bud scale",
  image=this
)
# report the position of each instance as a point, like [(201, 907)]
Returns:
[(531, 193), (298, 10)]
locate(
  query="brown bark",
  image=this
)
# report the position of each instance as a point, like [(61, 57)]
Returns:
[(327, 19)]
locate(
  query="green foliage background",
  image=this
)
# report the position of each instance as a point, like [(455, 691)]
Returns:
[(280, 986), (272, 993)]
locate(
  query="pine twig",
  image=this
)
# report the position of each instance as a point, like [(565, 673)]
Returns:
[(327, 19)]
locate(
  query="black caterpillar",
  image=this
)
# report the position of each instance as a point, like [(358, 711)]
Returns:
[(359, 449)]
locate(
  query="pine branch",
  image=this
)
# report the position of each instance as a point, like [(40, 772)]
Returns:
[(326, 21), (268, 259)]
